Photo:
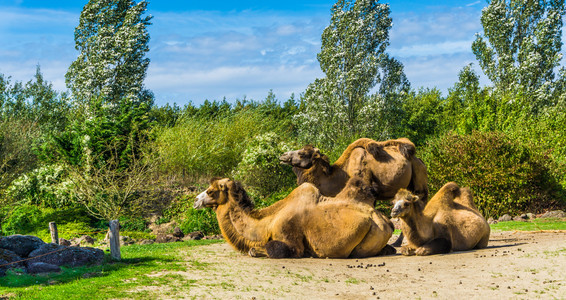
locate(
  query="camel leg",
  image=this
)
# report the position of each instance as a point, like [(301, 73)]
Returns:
[(257, 252), (387, 250), (436, 246), (483, 242), (399, 241), (278, 249), (408, 251)]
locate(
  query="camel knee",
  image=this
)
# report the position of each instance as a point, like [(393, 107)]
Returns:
[(278, 249), (436, 246), (483, 242)]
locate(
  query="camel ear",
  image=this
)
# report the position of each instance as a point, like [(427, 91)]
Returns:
[(222, 186), (415, 198)]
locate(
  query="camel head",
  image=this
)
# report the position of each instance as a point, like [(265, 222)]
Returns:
[(303, 158), (404, 204), (221, 192)]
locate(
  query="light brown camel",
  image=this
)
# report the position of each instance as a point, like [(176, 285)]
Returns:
[(303, 224), (390, 165), (449, 221)]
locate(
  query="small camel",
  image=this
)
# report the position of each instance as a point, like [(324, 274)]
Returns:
[(303, 224), (390, 165), (449, 221)]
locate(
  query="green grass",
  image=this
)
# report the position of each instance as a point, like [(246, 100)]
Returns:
[(532, 225), (109, 280)]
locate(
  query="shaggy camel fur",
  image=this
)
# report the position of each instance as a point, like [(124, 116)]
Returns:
[(390, 165), (449, 221), (303, 224)]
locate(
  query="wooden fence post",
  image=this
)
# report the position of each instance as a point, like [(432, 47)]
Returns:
[(54, 233), (114, 237)]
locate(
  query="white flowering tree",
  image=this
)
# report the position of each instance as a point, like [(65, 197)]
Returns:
[(338, 108), (519, 50), (112, 39)]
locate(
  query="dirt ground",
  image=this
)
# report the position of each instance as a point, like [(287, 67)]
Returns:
[(516, 265)]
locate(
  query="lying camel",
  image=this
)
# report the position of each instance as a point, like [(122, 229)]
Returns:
[(449, 221), (390, 165), (303, 224)]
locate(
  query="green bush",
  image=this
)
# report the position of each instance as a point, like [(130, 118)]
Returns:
[(260, 169), (22, 220), (505, 175), (46, 186), (200, 220)]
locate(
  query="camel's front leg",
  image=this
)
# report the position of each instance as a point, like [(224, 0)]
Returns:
[(257, 252), (279, 249), (436, 246), (407, 250)]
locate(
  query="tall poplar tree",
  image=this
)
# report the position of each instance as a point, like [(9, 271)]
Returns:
[(519, 50), (338, 107), (112, 39)]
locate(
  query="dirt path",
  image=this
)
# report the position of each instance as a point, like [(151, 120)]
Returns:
[(516, 265)]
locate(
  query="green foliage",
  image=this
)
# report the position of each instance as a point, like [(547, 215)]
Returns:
[(47, 186), (422, 119), (260, 169), (133, 223), (505, 175), (337, 108), (112, 39), (520, 49), (23, 219), (200, 220), (199, 148)]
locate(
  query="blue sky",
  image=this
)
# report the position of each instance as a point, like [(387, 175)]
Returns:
[(214, 49)]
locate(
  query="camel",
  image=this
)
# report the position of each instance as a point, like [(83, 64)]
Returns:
[(390, 165), (303, 224), (449, 221)]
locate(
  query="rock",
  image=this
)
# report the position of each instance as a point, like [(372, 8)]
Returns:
[(64, 255), (213, 237), (491, 221), (505, 218), (64, 242), (6, 258), (521, 218), (22, 245), (166, 238), (177, 232), (41, 267), (531, 216), (164, 228), (126, 240), (558, 214), (196, 235), (86, 240)]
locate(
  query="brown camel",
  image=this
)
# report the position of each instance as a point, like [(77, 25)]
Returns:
[(303, 224), (449, 221), (390, 165)]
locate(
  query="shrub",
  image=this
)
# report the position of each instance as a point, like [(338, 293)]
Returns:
[(22, 220), (505, 176), (200, 220), (260, 169)]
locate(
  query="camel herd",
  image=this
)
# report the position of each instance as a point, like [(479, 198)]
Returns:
[(331, 213)]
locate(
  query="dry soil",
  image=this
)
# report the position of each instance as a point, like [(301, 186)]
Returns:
[(516, 265)]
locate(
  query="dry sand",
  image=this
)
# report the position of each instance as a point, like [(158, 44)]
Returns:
[(516, 265)]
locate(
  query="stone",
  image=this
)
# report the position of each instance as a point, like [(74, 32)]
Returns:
[(505, 218), (531, 216), (7, 261), (126, 240), (145, 242), (22, 245), (166, 238), (558, 214), (64, 242), (521, 218), (86, 240), (491, 221), (41, 267), (195, 235), (66, 256), (177, 232)]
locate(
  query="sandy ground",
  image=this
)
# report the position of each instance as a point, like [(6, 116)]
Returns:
[(516, 265)]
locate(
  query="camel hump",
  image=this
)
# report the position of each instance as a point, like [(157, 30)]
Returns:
[(446, 195), (404, 146)]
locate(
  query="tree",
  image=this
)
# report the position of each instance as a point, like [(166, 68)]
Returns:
[(112, 38), (520, 48), (337, 108)]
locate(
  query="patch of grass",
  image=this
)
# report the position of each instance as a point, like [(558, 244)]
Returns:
[(532, 225), (109, 280), (352, 281)]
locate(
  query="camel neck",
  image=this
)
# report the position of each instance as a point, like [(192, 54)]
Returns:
[(239, 228), (417, 228)]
